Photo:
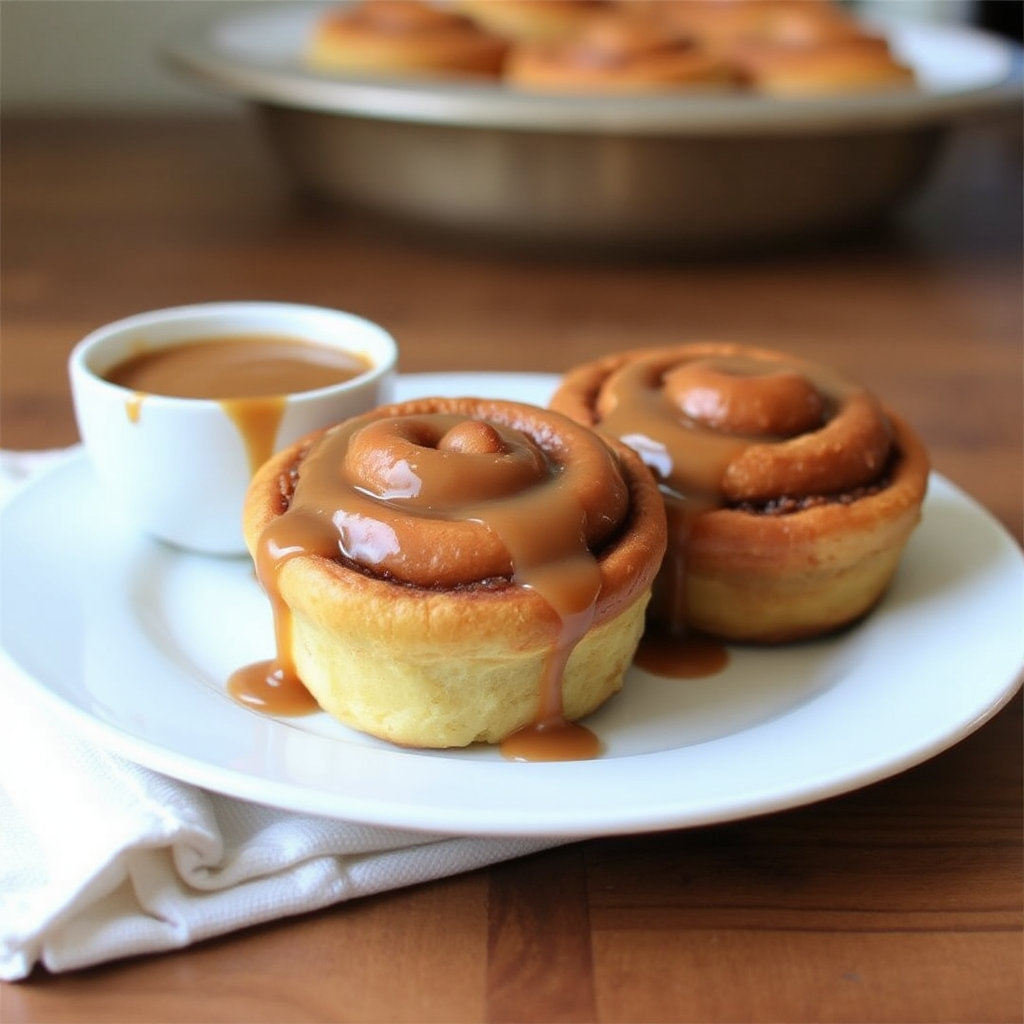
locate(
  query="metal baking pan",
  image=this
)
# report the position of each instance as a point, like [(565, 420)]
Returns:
[(707, 173)]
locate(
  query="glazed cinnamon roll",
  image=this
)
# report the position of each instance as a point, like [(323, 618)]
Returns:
[(790, 491), (720, 24), (616, 54), (789, 47), (451, 571), (861, 64), (403, 37)]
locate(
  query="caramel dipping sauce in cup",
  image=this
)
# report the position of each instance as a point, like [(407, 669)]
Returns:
[(178, 407)]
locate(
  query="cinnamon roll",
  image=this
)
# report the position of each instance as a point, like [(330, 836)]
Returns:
[(616, 54), (860, 64), (720, 24), (789, 47), (451, 571), (403, 37), (790, 491)]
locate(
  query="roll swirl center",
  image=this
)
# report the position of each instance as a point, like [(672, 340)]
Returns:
[(746, 396)]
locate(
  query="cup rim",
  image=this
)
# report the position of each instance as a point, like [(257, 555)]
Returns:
[(78, 359)]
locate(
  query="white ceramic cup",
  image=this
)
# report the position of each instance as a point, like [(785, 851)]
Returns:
[(179, 467)]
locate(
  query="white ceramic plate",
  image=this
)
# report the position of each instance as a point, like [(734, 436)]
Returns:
[(257, 55), (134, 640)]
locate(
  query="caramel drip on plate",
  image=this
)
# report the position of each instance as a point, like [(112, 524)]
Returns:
[(720, 429), (443, 499), (270, 688), (690, 656)]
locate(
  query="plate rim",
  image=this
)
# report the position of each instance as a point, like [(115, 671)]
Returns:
[(285, 795)]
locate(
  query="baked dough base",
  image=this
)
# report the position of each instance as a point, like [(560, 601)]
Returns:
[(405, 686), (773, 579), (350, 47)]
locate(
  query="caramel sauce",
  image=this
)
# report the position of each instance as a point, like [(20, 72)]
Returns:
[(248, 375), (236, 367), (133, 407), (686, 655), (369, 491), (257, 421), (556, 740), (264, 687)]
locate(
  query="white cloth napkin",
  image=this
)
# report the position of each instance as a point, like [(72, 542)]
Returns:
[(103, 859)]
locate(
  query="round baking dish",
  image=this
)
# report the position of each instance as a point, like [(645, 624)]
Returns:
[(697, 173)]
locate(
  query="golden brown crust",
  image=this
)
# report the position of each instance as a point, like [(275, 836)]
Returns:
[(403, 37), (785, 577), (766, 569)]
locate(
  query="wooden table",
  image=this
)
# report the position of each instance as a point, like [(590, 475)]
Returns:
[(900, 902)]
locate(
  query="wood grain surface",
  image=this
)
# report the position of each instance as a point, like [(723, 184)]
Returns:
[(897, 903)]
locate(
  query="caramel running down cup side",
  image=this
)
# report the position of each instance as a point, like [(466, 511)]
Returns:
[(790, 491), (450, 571)]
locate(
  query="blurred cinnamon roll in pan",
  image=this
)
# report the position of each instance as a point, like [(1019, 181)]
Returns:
[(790, 491), (858, 65), (451, 571), (789, 47), (403, 37), (617, 54)]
